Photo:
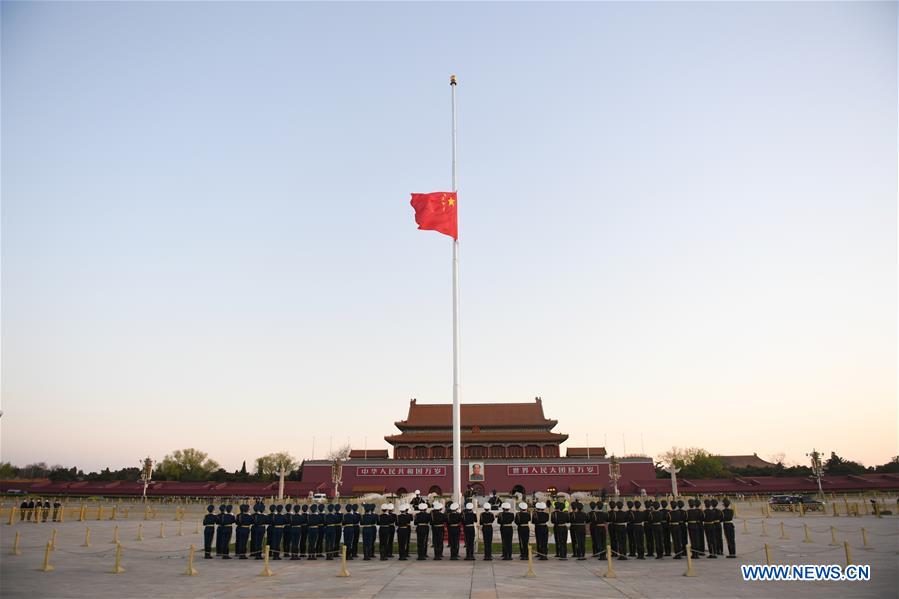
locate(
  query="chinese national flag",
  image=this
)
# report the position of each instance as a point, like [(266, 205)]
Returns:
[(436, 212)]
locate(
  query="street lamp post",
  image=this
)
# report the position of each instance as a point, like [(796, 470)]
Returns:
[(817, 470), (614, 474)]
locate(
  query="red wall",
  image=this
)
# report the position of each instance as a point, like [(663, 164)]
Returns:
[(497, 475)]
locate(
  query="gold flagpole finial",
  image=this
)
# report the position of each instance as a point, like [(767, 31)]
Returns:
[(452, 80)]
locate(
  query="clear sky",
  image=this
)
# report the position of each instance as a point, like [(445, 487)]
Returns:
[(677, 221)]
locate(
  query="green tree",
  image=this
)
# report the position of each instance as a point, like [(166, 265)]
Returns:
[(837, 465), (891, 467), (695, 463), (270, 466), (7, 470), (186, 464)]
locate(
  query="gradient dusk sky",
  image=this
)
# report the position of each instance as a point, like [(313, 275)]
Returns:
[(678, 223)]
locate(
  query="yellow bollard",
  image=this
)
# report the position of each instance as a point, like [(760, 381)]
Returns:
[(767, 511), (53, 539), (801, 509), (266, 571), (745, 527), (833, 537), (764, 529), (62, 513), (689, 552), (47, 567), (865, 505), (865, 539), (81, 513), (846, 502), (807, 538), (848, 554), (834, 506), (100, 513), (343, 571), (115, 510), (12, 513), (117, 566), (140, 531), (15, 546), (115, 535), (191, 571), (127, 510), (530, 572), (197, 529), (783, 532), (180, 532), (876, 509), (162, 530), (147, 513), (87, 537), (610, 571), (767, 555)]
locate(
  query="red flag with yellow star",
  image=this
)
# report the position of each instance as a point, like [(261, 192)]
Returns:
[(436, 212)]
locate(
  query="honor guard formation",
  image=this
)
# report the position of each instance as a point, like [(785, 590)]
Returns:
[(630, 529)]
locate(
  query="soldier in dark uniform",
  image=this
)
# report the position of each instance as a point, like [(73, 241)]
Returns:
[(494, 501), (369, 530), (422, 529), (486, 521), (629, 518), (244, 524), (694, 528), (438, 521), (560, 522), (506, 521), (684, 533), (297, 523), (304, 532), (219, 530), (357, 519), (313, 528), (677, 520), (591, 526), (727, 521), (209, 522), (613, 527), (23, 509), (346, 527), (386, 524), (280, 522), (639, 516), (654, 529), (666, 531), (522, 520), (257, 532), (403, 531), (579, 531), (716, 528), (453, 530), (332, 530), (649, 528), (30, 513), (601, 518), (226, 529), (541, 530), (708, 525), (46, 510), (287, 535), (621, 522), (56, 506), (469, 522)]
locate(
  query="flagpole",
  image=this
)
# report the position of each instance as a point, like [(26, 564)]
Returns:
[(457, 436)]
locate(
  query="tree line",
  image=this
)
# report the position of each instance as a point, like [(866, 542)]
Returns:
[(694, 462), (182, 465)]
